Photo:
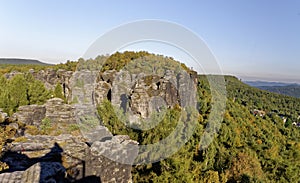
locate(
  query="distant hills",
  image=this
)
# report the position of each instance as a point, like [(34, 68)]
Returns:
[(18, 61), (290, 89)]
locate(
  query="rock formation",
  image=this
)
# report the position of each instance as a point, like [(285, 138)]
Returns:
[(51, 78), (95, 154), (65, 158), (55, 109)]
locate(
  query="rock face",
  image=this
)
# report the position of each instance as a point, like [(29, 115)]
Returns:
[(141, 94), (112, 158), (55, 109), (58, 111), (31, 114), (51, 78), (66, 158)]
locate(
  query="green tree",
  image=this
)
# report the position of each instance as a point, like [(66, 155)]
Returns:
[(37, 93), (58, 92), (288, 122), (17, 92)]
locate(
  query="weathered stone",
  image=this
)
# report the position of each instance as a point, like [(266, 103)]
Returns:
[(187, 90), (107, 76), (12, 177), (31, 114), (111, 159), (140, 95), (102, 91), (41, 152), (59, 112), (44, 172)]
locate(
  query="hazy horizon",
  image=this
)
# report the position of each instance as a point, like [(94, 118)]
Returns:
[(253, 40)]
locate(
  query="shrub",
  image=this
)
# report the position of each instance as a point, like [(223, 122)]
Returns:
[(46, 125)]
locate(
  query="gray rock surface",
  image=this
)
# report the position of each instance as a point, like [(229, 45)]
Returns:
[(31, 114), (68, 158), (44, 172), (140, 95), (37, 173), (55, 109)]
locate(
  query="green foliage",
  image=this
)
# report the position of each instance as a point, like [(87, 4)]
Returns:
[(288, 123), (37, 93), (133, 60), (68, 66), (58, 92), (46, 125), (118, 60), (255, 98), (20, 90)]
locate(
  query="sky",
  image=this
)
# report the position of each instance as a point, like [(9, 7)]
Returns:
[(251, 39)]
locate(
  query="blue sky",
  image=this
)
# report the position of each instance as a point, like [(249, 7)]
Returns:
[(254, 39)]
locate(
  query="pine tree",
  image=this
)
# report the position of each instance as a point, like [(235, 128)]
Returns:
[(58, 92)]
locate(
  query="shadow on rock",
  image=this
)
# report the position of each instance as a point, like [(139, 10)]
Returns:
[(47, 168)]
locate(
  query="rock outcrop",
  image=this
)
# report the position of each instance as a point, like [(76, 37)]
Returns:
[(31, 114), (55, 109), (141, 94), (95, 154), (66, 158), (51, 78)]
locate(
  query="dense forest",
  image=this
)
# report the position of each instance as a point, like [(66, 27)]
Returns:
[(247, 148)]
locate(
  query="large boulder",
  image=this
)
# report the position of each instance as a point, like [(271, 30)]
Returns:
[(112, 159)]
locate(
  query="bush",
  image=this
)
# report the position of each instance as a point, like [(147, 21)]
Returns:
[(46, 125)]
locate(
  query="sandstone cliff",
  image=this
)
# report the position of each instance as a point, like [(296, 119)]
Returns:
[(94, 153)]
